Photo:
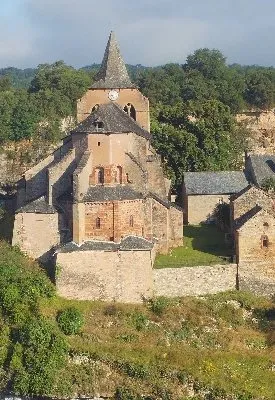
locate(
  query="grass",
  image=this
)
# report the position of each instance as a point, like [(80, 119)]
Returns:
[(222, 346), (203, 245), (220, 343)]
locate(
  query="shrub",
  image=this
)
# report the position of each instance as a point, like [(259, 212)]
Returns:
[(70, 321), (37, 358), (139, 321), (158, 305)]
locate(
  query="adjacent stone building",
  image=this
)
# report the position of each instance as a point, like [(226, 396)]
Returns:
[(202, 191), (100, 203), (253, 226)]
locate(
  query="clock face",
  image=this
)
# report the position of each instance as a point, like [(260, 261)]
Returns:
[(113, 95)]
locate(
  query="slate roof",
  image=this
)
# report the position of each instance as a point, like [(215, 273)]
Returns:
[(109, 193), (127, 243), (239, 222), (38, 206), (263, 166), (221, 182), (110, 118), (246, 217), (113, 73)]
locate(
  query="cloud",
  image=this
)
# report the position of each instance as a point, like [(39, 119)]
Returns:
[(150, 32)]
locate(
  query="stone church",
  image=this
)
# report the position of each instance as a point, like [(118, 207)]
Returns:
[(99, 205)]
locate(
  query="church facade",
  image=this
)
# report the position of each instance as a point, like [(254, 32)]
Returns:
[(99, 205)]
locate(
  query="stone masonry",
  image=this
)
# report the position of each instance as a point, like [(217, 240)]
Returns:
[(99, 206)]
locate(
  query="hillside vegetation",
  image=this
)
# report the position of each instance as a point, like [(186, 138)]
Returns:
[(204, 348)]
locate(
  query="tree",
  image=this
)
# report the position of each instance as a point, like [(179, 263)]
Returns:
[(58, 79), (198, 136), (259, 90)]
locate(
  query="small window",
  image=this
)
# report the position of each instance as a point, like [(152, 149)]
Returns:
[(130, 110), (264, 241), (100, 175), (266, 224), (97, 223), (98, 143), (131, 221), (95, 107)]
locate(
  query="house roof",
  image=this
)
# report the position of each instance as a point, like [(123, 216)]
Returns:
[(221, 182), (247, 216), (127, 243), (112, 73), (240, 222), (110, 118), (38, 206), (263, 166), (109, 193)]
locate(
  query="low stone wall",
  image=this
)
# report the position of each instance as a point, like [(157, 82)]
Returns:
[(192, 281), (124, 276), (257, 277)]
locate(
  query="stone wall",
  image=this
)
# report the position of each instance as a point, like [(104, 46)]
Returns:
[(36, 234), (199, 208), (60, 176), (194, 281), (124, 276), (258, 278), (100, 96), (117, 219)]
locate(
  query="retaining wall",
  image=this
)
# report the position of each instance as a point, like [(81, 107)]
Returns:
[(192, 281)]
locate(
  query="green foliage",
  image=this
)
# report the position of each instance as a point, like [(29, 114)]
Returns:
[(222, 215), (37, 356), (32, 349), (70, 321), (140, 321), (158, 305), (198, 136), (268, 185)]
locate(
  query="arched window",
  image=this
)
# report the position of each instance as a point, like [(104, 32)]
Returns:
[(100, 175), (95, 107), (130, 110), (118, 175), (97, 223), (131, 221), (264, 240)]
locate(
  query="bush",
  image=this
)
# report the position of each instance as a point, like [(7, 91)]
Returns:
[(36, 358), (70, 321), (158, 305)]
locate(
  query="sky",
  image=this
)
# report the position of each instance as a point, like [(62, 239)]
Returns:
[(150, 32)]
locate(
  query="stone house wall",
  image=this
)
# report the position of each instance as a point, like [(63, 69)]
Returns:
[(124, 276), (199, 208), (194, 281), (249, 240), (26, 224)]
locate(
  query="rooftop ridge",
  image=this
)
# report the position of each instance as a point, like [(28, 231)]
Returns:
[(112, 73)]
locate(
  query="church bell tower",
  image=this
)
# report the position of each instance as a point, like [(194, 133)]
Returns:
[(113, 85)]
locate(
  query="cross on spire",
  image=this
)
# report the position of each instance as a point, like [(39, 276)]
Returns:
[(113, 73)]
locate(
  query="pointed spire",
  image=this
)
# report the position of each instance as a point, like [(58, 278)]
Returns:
[(113, 73)]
